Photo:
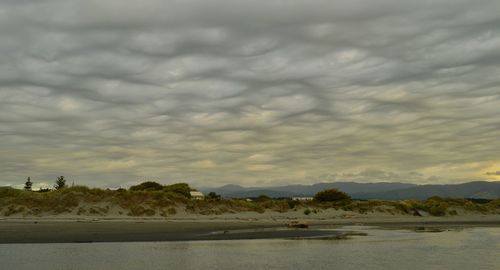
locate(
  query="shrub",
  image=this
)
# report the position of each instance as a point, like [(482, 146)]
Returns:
[(263, 198), (307, 212), (282, 206), (292, 204), (147, 186), (494, 204), (435, 206), (331, 195), (180, 188), (438, 210)]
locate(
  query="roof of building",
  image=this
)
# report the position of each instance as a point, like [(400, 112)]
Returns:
[(196, 193)]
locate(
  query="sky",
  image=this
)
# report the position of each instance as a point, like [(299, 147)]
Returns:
[(264, 92)]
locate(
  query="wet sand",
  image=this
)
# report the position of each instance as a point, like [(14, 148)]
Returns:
[(77, 232), (43, 231)]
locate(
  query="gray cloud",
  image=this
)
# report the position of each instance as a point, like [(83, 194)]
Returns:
[(215, 92)]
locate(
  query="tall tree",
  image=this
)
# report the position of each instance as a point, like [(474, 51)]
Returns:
[(60, 183), (28, 184)]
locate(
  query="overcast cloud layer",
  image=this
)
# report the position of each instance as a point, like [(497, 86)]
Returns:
[(109, 93)]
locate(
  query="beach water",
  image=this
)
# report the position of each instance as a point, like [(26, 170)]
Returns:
[(470, 248)]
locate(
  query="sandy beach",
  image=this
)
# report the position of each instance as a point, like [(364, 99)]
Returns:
[(67, 229)]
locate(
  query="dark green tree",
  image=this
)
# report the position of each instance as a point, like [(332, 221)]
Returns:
[(60, 183), (212, 196), (28, 184), (331, 195)]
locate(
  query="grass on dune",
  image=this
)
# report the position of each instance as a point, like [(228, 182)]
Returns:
[(153, 200)]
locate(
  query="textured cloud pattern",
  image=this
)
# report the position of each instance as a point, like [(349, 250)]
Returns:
[(250, 92)]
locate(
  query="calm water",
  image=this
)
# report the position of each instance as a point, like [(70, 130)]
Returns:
[(473, 248)]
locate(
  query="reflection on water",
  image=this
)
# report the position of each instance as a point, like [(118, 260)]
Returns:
[(474, 248)]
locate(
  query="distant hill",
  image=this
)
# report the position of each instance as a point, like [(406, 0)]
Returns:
[(478, 190), (258, 192), (349, 187), (383, 190), (235, 191)]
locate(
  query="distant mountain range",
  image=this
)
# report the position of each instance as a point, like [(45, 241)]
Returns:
[(384, 190)]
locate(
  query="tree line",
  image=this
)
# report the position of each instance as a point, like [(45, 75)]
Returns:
[(60, 184), (327, 195)]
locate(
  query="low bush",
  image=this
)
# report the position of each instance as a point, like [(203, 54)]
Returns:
[(179, 188), (147, 186), (331, 195)]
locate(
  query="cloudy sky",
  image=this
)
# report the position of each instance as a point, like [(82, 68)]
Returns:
[(264, 92)]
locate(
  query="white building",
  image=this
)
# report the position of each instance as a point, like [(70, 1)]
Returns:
[(196, 195), (302, 199)]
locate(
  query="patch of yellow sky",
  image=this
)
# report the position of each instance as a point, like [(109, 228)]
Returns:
[(258, 163), (492, 172), (466, 171)]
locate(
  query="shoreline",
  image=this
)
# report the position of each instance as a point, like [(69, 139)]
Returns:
[(47, 230)]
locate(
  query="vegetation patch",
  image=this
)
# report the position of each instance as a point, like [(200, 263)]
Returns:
[(150, 199), (141, 211)]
